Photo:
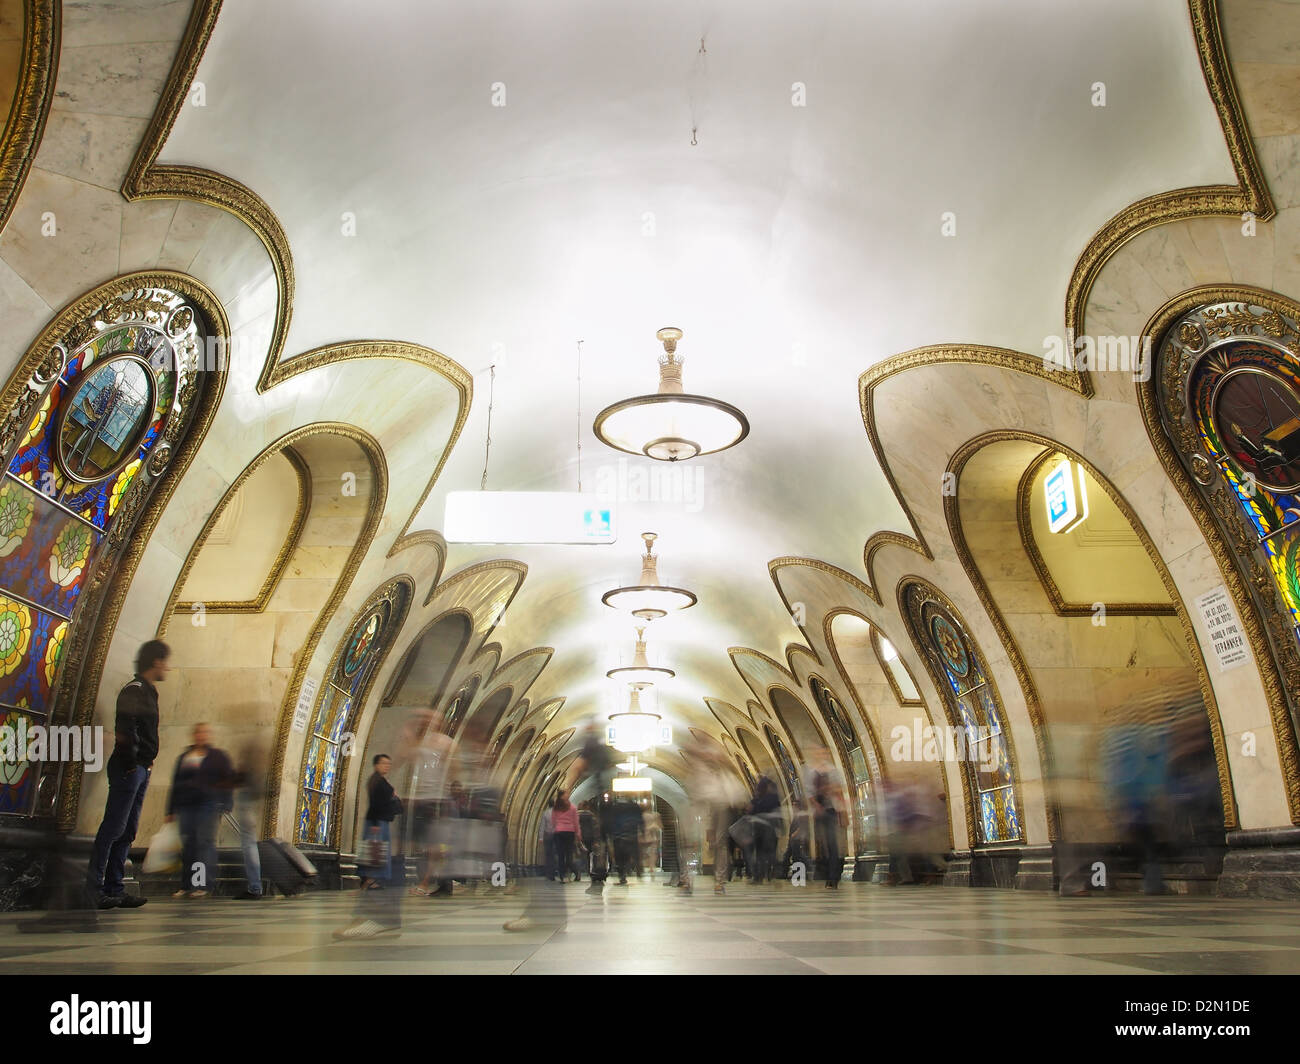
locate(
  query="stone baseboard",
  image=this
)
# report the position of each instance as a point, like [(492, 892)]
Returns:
[(1261, 864), (1036, 870)]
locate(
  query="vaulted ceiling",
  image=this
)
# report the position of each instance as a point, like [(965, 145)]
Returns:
[(804, 189)]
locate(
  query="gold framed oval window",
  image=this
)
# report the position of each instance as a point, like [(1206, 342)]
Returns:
[(105, 418)]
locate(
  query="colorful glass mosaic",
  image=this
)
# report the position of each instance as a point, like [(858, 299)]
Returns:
[(362, 653), (83, 448), (970, 698), (1245, 398)]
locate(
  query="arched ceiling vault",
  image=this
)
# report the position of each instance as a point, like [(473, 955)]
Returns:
[(407, 205)]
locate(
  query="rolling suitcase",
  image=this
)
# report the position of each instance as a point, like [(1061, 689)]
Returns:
[(284, 866)]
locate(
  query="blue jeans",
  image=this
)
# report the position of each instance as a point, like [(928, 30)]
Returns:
[(248, 844), (117, 830), (198, 825)]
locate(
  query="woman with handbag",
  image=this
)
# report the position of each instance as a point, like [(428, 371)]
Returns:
[(381, 911), (374, 852)]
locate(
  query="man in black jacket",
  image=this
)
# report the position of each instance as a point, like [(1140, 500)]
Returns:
[(134, 752)]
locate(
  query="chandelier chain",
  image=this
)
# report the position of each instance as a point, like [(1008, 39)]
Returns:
[(487, 446)]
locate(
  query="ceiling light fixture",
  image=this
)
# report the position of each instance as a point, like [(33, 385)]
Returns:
[(671, 425), (635, 731), (640, 673), (649, 600)]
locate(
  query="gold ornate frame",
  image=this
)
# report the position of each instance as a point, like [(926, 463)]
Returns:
[(1050, 588), (892, 680), (973, 834), (105, 591), (25, 123), (297, 523), (391, 590), (1276, 676), (1016, 657)]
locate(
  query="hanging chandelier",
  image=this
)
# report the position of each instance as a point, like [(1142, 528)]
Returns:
[(649, 600), (640, 673), (671, 425), (635, 731)]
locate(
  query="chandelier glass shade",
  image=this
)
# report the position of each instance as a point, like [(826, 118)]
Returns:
[(671, 425), (649, 600), (634, 731), (640, 673)]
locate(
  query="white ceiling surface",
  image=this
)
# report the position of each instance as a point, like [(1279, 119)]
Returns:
[(795, 246)]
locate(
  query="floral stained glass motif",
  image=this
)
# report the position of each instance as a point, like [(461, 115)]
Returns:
[(104, 406), (966, 688), (362, 653)]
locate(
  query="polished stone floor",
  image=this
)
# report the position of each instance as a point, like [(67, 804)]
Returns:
[(647, 928)]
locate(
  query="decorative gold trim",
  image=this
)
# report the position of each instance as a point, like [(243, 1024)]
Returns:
[(885, 538), (1272, 674), (829, 639), (878, 650), (789, 734), (460, 575), (25, 124), (1011, 645), (388, 591), (365, 536), (425, 538), (400, 350), (973, 834), (145, 179), (407, 660), (1249, 194), (790, 560), (1024, 522), (278, 564), (79, 686)]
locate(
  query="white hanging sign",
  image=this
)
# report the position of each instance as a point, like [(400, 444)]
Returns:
[(1223, 628), (306, 696)]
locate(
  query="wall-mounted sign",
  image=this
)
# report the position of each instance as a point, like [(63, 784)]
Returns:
[(302, 711), (1067, 497), (1227, 640), (527, 517), (632, 785)]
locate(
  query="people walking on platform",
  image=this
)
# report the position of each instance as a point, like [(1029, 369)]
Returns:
[(202, 789), (828, 818), (379, 908), (250, 790), (593, 836)]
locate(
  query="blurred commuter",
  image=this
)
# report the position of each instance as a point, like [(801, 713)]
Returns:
[(250, 791), (652, 837), (379, 909), (202, 783), (1138, 778), (429, 802), (628, 817), (592, 834), (546, 904), (717, 792), (828, 819), (546, 836), (797, 843), (765, 811)]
